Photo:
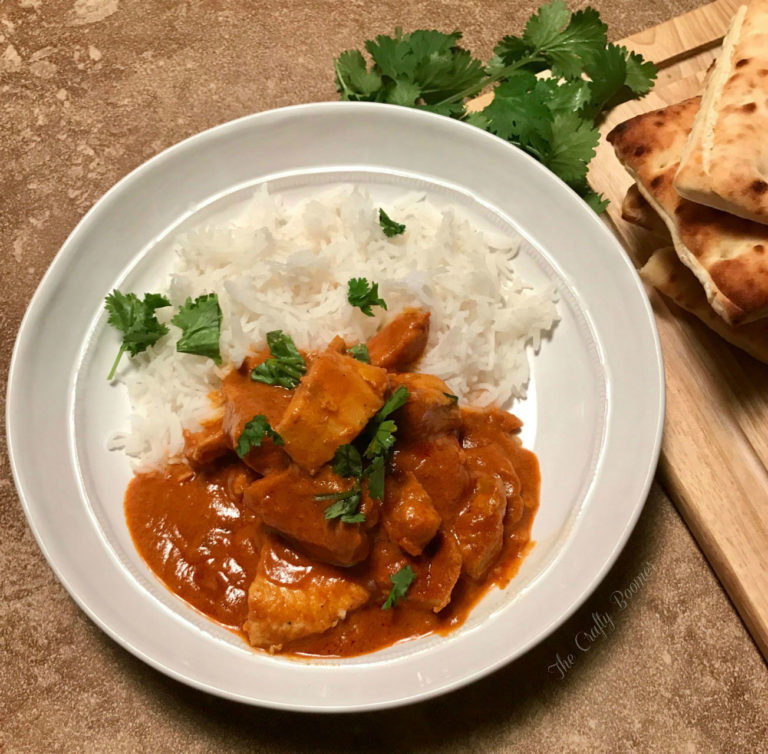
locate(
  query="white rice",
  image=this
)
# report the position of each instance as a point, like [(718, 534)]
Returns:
[(285, 266)]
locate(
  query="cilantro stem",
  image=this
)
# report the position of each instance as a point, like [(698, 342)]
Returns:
[(116, 362), (502, 74)]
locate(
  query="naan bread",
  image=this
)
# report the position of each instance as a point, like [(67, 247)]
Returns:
[(728, 254), (725, 162), (636, 210), (665, 272)]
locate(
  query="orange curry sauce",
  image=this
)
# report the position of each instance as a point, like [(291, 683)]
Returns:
[(461, 495)]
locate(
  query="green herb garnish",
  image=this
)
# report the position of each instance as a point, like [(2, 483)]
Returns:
[(389, 226), (346, 505), (394, 402), (286, 367), (554, 118), (454, 398), (347, 461), (383, 439), (401, 583), (364, 296), (200, 323), (136, 320), (375, 472), (360, 352), (254, 432)]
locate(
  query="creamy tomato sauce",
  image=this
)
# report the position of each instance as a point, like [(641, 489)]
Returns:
[(203, 542), (360, 477)]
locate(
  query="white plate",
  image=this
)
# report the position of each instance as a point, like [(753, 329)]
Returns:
[(594, 413)]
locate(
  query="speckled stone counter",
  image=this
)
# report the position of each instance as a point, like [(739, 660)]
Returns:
[(657, 660)]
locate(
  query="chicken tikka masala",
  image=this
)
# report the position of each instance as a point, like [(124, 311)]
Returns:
[(341, 502)]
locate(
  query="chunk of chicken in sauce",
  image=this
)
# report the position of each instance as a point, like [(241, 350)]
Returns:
[(244, 399), (401, 341), (430, 410), (409, 516), (286, 501), (207, 445), (437, 570), (292, 597), (440, 467), (336, 398)]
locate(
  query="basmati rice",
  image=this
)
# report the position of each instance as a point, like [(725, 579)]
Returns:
[(276, 265)]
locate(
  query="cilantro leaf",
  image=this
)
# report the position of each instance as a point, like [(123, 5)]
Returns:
[(345, 506), (596, 201), (200, 323), (347, 461), (364, 296), (518, 113), (136, 320), (572, 145), (454, 398), (389, 226), (640, 74), (383, 439), (394, 402), (353, 79), (360, 352), (254, 433), (563, 39), (286, 366), (401, 583), (375, 472), (615, 77)]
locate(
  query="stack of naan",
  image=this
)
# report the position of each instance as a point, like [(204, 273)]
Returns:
[(701, 169)]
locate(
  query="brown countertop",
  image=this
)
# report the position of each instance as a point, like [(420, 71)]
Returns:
[(89, 89)]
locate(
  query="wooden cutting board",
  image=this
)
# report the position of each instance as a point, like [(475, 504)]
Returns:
[(714, 457)]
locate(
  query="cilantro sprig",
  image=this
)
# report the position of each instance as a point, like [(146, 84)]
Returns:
[(364, 295), (389, 226), (345, 506), (401, 583), (286, 366), (360, 352), (377, 441), (253, 435), (553, 118), (200, 323), (136, 319)]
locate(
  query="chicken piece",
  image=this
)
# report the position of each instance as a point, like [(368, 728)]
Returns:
[(292, 597), (335, 400), (401, 341), (285, 501), (429, 410), (437, 570), (492, 446), (409, 516), (206, 446), (440, 467), (484, 426), (479, 527), (244, 399)]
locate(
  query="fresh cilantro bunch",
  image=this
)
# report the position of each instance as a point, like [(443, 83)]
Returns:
[(552, 84)]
